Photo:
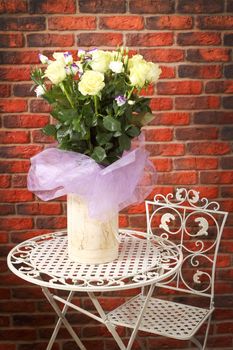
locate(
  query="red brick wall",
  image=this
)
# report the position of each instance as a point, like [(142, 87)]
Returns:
[(190, 139)]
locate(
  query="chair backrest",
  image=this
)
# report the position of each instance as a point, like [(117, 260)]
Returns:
[(196, 225)]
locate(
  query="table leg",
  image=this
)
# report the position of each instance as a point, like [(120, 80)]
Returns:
[(62, 319), (108, 324)]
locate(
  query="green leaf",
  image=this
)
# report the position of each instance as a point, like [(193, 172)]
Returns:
[(142, 119), (133, 131), (103, 138), (98, 154), (117, 134), (50, 130), (124, 142), (111, 124), (62, 133)]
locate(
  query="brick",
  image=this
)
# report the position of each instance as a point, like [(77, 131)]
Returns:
[(167, 72), (123, 221), (13, 6), (208, 55), (44, 6), (198, 163), (5, 181), (39, 137), (39, 106), (14, 166), (19, 181), (228, 39), (171, 149), (5, 90), (161, 55), (51, 222), (227, 191), (217, 177), (202, 102), (159, 134), (171, 118), (14, 74), (11, 40), (22, 23), (122, 22), (200, 6), (39, 209), (25, 120), (208, 148), (22, 57), (228, 71), (169, 22), (227, 162), (227, 102), (16, 195), (18, 334), (98, 39), (215, 22), (148, 6), (33, 320), (162, 164), (72, 23), (14, 137), (226, 327), (23, 90), (27, 151), (196, 133), (13, 105), (104, 6), (6, 209), (48, 40), (161, 103), (219, 86), (229, 6), (149, 39), (16, 223), (178, 178), (198, 38), (179, 88), (213, 117), (199, 71)]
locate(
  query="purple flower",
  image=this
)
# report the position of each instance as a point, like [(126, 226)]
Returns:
[(68, 58), (120, 100)]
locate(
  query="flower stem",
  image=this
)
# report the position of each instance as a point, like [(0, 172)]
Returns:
[(96, 104), (63, 88)]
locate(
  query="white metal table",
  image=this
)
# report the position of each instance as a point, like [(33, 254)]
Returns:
[(143, 261)]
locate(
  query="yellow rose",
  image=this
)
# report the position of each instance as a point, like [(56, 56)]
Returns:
[(56, 72), (153, 72), (91, 83), (100, 60)]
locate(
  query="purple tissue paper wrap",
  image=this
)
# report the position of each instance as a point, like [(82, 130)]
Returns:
[(54, 173)]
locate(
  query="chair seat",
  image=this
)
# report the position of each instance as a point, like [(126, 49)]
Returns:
[(161, 317)]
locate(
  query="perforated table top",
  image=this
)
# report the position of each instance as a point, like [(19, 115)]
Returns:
[(43, 260)]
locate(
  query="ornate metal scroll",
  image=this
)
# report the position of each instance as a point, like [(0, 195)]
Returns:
[(196, 226)]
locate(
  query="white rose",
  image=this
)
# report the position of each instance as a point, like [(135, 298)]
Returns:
[(59, 56), (100, 60), (40, 90), (55, 72), (91, 83), (135, 60), (138, 74), (116, 66), (153, 72)]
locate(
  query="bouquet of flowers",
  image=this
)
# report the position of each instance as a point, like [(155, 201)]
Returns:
[(96, 100), (97, 104)]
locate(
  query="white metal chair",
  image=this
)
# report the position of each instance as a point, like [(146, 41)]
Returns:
[(196, 225)]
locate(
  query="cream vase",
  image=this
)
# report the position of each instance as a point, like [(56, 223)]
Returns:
[(90, 241)]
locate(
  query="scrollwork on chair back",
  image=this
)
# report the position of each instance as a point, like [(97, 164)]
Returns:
[(196, 225)]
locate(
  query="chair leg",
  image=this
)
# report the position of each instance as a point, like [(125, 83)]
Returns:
[(196, 342), (207, 332)]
